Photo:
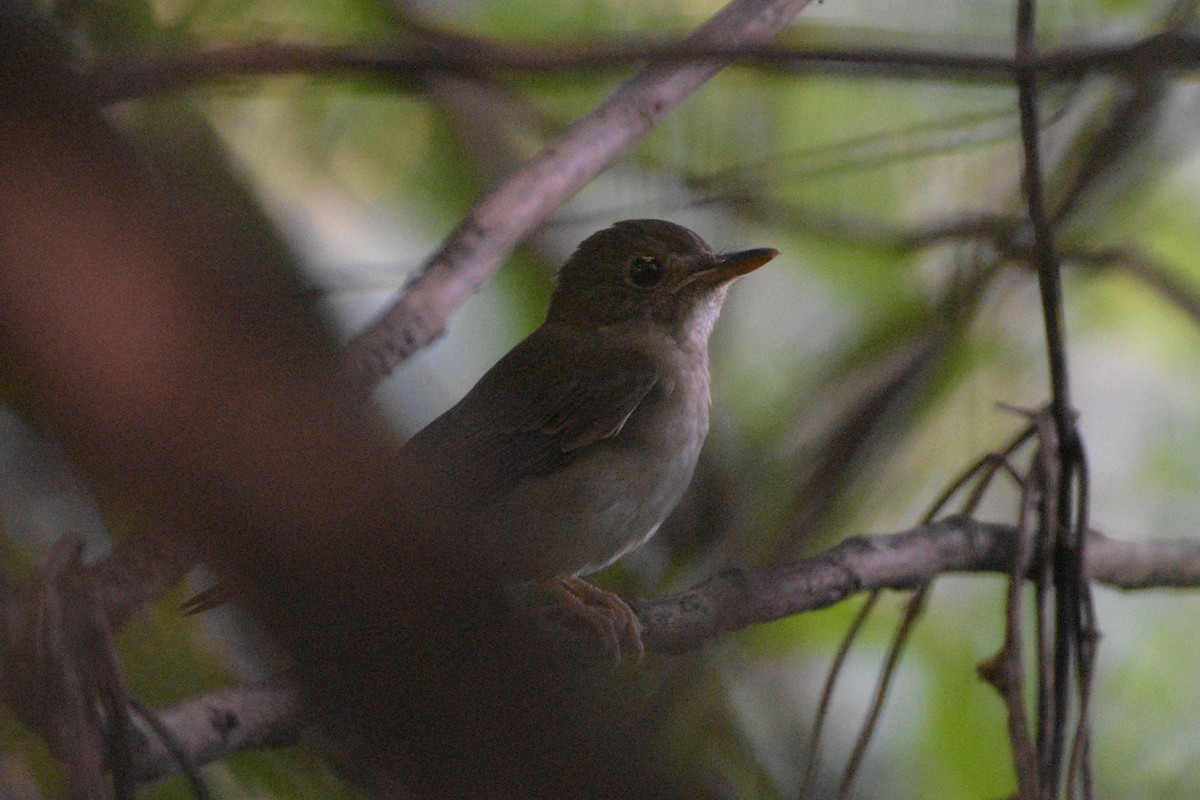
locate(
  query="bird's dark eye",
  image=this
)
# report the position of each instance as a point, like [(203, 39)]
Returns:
[(645, 271)]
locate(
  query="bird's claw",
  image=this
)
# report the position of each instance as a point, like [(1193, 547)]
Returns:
[(578, 598)]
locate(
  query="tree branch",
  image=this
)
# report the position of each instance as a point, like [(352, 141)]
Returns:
[(220, 723), (215, 725), (734, 600)]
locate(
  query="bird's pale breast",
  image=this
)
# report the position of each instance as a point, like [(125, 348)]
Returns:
[(613, 496)]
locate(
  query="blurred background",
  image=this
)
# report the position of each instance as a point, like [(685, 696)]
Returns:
[(852, 379)]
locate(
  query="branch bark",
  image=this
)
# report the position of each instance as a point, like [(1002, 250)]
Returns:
[(734, 600)]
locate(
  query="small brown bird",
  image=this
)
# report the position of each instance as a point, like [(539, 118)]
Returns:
[(577, 444)]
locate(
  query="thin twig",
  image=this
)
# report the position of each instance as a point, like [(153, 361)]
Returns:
[(1045, 257), (1046, 471), (1088, 637), (835, 670), (1067, 576), (984, 468), (1139, 100), (912, 612), (1005, 671), (114, 82), (101, 672), (1127, 124), (983, 471)]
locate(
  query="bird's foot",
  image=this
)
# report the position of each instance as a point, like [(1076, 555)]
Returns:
[(578, 598)]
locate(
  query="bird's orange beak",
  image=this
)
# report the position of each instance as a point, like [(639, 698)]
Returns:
[(728, 266)]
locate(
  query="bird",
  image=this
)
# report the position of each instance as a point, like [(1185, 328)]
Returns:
[(575, 446)]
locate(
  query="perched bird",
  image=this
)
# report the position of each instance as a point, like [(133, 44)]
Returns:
[(577, 444)]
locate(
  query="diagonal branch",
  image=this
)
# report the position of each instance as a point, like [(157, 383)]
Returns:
[(498, 221)]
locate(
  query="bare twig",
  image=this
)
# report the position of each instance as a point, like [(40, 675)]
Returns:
[(1138, 103), (1006, 670), (1044, 253), (1087, 639), (1064, 451), (111, 82), (981, 472), (835, 670), (912, 612), (1052, 696), (61, 675)]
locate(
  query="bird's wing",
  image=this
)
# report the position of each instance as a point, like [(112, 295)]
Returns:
[(590, 403), (532, 414)]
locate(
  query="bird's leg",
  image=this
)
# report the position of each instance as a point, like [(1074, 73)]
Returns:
[(579, 598)]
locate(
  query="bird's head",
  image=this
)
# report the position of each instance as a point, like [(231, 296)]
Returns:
[(649, 271)]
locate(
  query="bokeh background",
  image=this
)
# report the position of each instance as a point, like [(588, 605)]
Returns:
[(853, 378)]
